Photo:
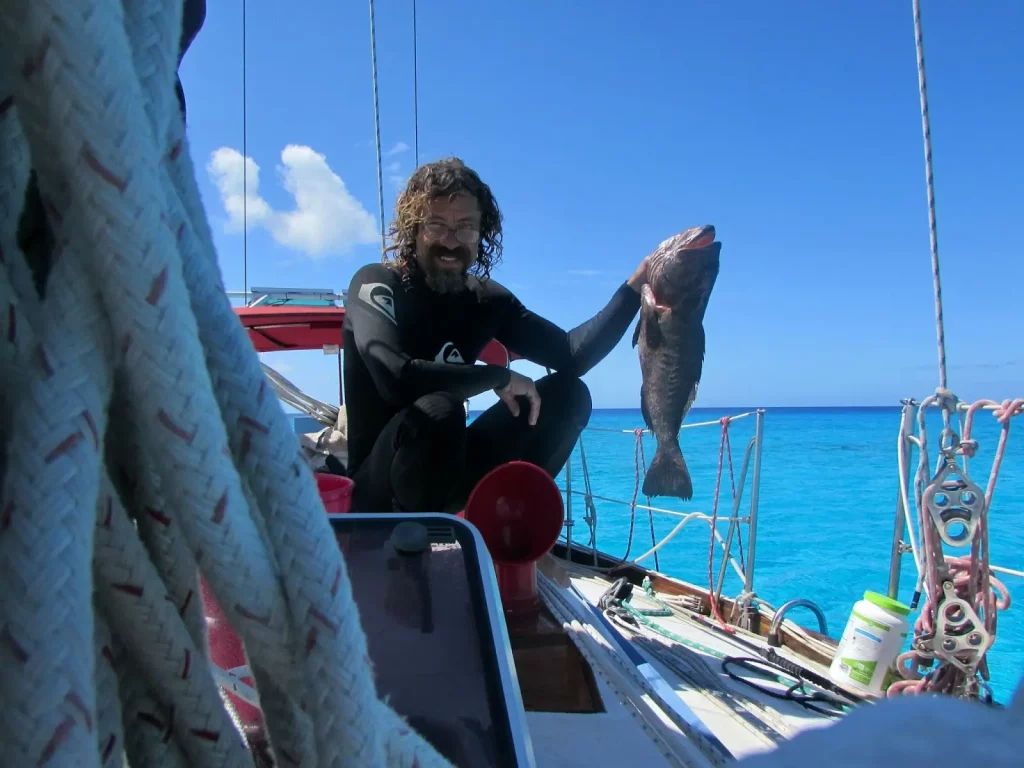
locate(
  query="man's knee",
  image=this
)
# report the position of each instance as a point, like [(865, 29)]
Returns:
[(430, 453), (571, 395), (580, 401), (437, 416)]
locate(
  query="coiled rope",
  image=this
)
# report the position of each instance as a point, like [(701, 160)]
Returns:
[(142, 443), (971, 575)]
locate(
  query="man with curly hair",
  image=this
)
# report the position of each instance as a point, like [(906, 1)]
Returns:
[(415, 325)]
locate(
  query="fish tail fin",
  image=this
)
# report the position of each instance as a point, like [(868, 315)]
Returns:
[(668, 474)]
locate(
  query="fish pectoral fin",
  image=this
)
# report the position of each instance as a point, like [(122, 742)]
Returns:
[(650, 317), (636, 331)]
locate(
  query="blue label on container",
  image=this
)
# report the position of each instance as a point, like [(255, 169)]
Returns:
[(868, 635)]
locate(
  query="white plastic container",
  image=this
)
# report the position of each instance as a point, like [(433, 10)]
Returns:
[(872, 640)]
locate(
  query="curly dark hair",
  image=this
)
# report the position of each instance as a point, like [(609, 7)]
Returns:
[(447, 178)]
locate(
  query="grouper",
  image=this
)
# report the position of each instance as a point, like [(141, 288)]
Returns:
[(681, 273)]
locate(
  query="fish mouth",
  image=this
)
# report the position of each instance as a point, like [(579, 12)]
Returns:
[(696, 238), (688, 279)]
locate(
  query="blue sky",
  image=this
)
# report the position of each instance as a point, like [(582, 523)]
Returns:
[(793, 127)]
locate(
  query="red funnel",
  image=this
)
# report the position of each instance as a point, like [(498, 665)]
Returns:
[(518, 510)]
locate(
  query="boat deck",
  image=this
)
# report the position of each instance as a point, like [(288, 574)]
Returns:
[(599, 690), (581, 690)]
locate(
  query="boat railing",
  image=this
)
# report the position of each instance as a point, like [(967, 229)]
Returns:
[(729, 493), (256, 297), (744, 567)]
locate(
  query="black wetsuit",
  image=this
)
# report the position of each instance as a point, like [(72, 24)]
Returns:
[(193, 16), (409, 367)]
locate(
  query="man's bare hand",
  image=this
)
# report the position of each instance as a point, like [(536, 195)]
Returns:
[(520, 386), (639, 277)]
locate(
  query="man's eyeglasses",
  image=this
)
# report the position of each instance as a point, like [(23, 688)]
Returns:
[(436, 230)]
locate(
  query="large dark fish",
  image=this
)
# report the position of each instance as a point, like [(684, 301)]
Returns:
[(670, 333)]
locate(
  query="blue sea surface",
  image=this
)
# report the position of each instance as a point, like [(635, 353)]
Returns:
[(826, 509)]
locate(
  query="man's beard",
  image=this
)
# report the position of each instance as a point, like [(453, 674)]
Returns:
[(442, 279)]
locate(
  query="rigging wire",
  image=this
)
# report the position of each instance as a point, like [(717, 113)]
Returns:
[(930, 180), (245, 185), (415, 92), (376, 125)]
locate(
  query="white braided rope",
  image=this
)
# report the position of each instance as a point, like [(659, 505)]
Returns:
[(46, 628), (131, 392), (109, 729)]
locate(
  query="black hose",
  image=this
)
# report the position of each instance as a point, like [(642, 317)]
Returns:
[(833, 707), (790, 668)]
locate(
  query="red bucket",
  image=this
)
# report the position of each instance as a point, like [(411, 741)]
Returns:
[(518, 510), (335, 492)]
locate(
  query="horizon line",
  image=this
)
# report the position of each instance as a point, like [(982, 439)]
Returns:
[(744, 408)]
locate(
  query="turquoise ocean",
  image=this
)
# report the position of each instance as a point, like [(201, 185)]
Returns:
[(826, 509)]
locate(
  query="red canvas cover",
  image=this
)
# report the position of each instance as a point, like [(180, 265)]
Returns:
[(282, 327)]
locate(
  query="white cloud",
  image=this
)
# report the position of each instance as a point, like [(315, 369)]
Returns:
[(326, 218), (395, 175), (585, 272), (398, 149), (225, 169)]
